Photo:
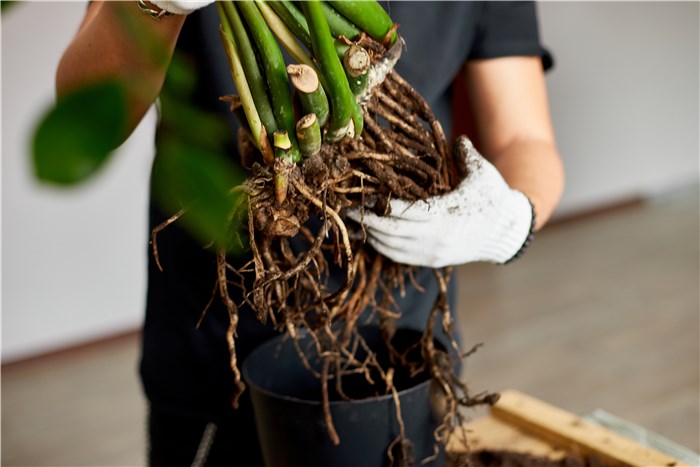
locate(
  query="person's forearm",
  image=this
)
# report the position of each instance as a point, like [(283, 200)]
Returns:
[(111, 44), (514, 130), (534, 168)]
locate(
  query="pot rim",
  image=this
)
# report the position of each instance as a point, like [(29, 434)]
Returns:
[(282, 340)]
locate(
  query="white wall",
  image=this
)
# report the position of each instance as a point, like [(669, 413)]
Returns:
[(72, 260), (624, 98)]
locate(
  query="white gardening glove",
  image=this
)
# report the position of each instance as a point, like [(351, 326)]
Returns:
[(482, 219), (181, 7)]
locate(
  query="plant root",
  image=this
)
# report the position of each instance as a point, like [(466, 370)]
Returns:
[(403, 154), (233, 322), (159, 228)]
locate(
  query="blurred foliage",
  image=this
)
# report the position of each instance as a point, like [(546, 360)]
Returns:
[(198, 179), (75, 138), (193, 169), (77, 135), (5, 5), (181, 78)]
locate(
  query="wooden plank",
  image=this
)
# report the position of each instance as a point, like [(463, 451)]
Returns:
[(571, 433), (489, 433)]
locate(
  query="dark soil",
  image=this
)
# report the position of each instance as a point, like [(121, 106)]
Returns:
[(516, 459)]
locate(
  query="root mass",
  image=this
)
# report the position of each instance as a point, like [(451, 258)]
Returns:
[(402, 154)]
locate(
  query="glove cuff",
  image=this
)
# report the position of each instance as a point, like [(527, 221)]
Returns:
[(530, 236), (178, 7), (512, 230)]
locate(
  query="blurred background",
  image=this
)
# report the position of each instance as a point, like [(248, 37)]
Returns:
[(601, 313)]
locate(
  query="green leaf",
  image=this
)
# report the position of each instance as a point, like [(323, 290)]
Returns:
[(77, 135), (201, 180), (181, 77), (205, 129)]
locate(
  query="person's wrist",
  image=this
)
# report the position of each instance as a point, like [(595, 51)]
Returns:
[(530, 237), (510, 229), (152, 10)]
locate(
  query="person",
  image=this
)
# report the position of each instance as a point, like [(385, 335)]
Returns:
[(508, 194)]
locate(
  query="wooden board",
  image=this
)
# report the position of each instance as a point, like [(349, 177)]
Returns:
[(524, 424), (490, 433)]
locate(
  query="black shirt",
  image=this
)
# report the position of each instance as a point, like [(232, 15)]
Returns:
[(186, 370)]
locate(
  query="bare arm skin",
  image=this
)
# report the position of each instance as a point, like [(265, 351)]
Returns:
[(514, 128), (103, 48)]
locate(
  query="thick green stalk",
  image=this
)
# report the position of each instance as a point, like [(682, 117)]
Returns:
[(309, 135), (357, 62), (246, 53), (341, 97), (313, 99), (281, 140), (338, 24), (357, 118), (369, 16), (358, 84), (282, 169), (256, 126), (283, 165), (284, 35), (341, 47), (293, 18), (275, 72)]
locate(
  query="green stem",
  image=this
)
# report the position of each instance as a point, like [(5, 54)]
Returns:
[(357, 62), (309, 135), (282, 170), (256, 127), (275, 72), (337, 23), (284, 35), (357, 119), (293, 18), (313, 99), (341, 48), (282, 166), (358, 84), (281, 140), (341, 97), (369, 16), (250, 65)]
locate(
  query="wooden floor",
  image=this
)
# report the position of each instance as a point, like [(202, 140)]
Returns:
[(600, 313)]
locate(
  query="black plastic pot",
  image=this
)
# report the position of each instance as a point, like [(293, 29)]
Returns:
[(289, 415)]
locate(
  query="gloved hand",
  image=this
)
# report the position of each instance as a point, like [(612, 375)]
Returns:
[(181, 7), (482, 219)]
